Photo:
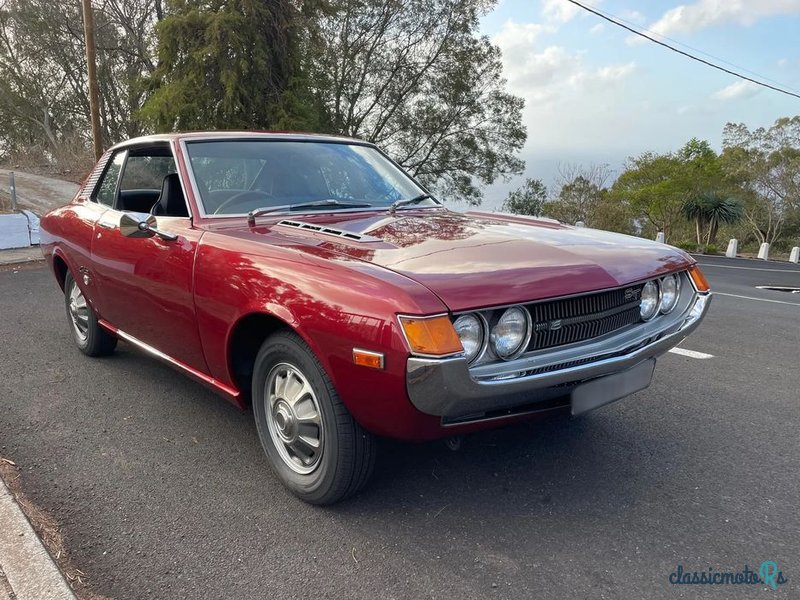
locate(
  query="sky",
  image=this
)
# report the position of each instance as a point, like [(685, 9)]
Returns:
[(595, 94)]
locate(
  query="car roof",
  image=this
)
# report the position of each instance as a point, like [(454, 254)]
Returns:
[(292, 136)]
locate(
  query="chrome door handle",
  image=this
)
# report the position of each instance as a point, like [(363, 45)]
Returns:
[(106, 225)]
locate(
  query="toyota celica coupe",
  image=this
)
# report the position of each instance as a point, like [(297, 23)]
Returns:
[(313, 279)]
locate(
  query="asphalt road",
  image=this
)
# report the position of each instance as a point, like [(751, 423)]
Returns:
[(162, 491)]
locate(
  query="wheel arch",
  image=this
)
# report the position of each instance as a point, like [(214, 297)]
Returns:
[(245, 340), (60, 269)]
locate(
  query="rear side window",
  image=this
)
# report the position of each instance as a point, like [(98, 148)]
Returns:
[(108, 182)]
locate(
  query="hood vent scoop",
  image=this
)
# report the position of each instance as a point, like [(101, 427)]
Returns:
[(332, 231)]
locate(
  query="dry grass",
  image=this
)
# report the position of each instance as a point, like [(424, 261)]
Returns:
[(48, 531), (71, 161)]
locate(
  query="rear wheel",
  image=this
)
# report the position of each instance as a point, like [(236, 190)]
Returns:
[(313, 443), (90, 338)]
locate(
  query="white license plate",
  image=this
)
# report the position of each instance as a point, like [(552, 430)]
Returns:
[(607, 389)]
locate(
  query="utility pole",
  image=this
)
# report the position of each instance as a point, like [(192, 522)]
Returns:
[(91, 71)]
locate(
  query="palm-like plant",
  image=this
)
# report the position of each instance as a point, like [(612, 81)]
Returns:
[(694, 211), (710, 210)]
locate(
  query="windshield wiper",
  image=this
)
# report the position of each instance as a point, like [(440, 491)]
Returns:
[(251, 216), (410, 201)]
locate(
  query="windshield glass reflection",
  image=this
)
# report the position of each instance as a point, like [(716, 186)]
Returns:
[(237, 176)]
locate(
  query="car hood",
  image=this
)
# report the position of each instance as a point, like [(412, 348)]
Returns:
[(476, 260)]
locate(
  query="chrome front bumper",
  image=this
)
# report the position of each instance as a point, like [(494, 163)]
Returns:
[(449, 388)]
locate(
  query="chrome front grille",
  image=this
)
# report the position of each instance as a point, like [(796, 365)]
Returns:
[(570, 320)]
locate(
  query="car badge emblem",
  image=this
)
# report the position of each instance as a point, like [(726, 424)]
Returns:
[(555, 325), (631, 294)]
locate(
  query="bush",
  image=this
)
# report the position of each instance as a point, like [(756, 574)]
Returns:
[(688, 246), (696, 248)]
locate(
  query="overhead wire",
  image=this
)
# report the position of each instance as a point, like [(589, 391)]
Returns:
[(698, 50), (618, 23)]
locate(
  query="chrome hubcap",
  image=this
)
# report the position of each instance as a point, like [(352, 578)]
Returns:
[(78, 313), (294, 418)]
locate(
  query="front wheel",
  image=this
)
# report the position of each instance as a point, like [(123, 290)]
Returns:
[(90, 338), (312, 441)]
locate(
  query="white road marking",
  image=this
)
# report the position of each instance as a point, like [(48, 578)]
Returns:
[(691, 353), (780, 288), (757, 299), (749, 268)]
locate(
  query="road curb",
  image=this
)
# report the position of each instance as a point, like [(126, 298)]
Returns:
[(26, 564), (20, 255)]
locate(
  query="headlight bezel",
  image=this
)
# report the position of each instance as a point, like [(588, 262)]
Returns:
[(657, 304), (526, 337), (677, 279), (490, 317), (484, 325)]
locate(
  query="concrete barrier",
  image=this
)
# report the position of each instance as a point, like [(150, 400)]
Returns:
[(660, 237), (795, 255), (763, 251), (14, 232), (733, 248), (33, 226)]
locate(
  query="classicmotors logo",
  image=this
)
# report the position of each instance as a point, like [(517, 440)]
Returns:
[(767, 575)]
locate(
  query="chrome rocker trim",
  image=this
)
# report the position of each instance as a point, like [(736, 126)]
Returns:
[(448, 388)]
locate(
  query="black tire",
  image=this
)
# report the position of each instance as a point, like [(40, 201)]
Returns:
[(347, 454), (95, 341)]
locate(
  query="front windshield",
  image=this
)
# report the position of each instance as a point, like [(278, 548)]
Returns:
[(237, 176)]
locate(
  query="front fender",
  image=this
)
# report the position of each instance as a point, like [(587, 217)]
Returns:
[(334, 304)]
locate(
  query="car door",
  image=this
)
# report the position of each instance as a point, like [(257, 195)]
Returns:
[(145, 285), (81, 215)]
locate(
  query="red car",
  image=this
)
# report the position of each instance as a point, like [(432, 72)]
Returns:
[(311, 278)]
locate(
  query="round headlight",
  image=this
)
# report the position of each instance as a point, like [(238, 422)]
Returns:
[(670, 289), (470, 331), (650, 300), (510, 333)]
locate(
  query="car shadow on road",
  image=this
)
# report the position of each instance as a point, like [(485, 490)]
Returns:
[(600, 463)]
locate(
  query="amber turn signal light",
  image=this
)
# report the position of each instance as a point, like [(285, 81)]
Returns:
[(365, 358), (434, 335), (698, 279)]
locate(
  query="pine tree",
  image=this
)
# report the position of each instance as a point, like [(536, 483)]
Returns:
[(228, 64)]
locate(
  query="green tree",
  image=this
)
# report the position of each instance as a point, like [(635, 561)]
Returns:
[(708, 211), (417, 78), (658, 186), (44, 110), (765, 163), (228, 64), (580, 193), (575, 201), (528, 199), (650, 185), (613, 214)]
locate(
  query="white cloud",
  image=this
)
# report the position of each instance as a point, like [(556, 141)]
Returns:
[(593, 106), (597, 28), (615, 72), (737, 91), (706, 13), (515, 34), (544, 73), (783, 62), (634, 16), (559, 11), (527, 67)]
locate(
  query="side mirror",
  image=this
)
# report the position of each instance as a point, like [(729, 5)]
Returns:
[(141, 225), (136, 225)]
